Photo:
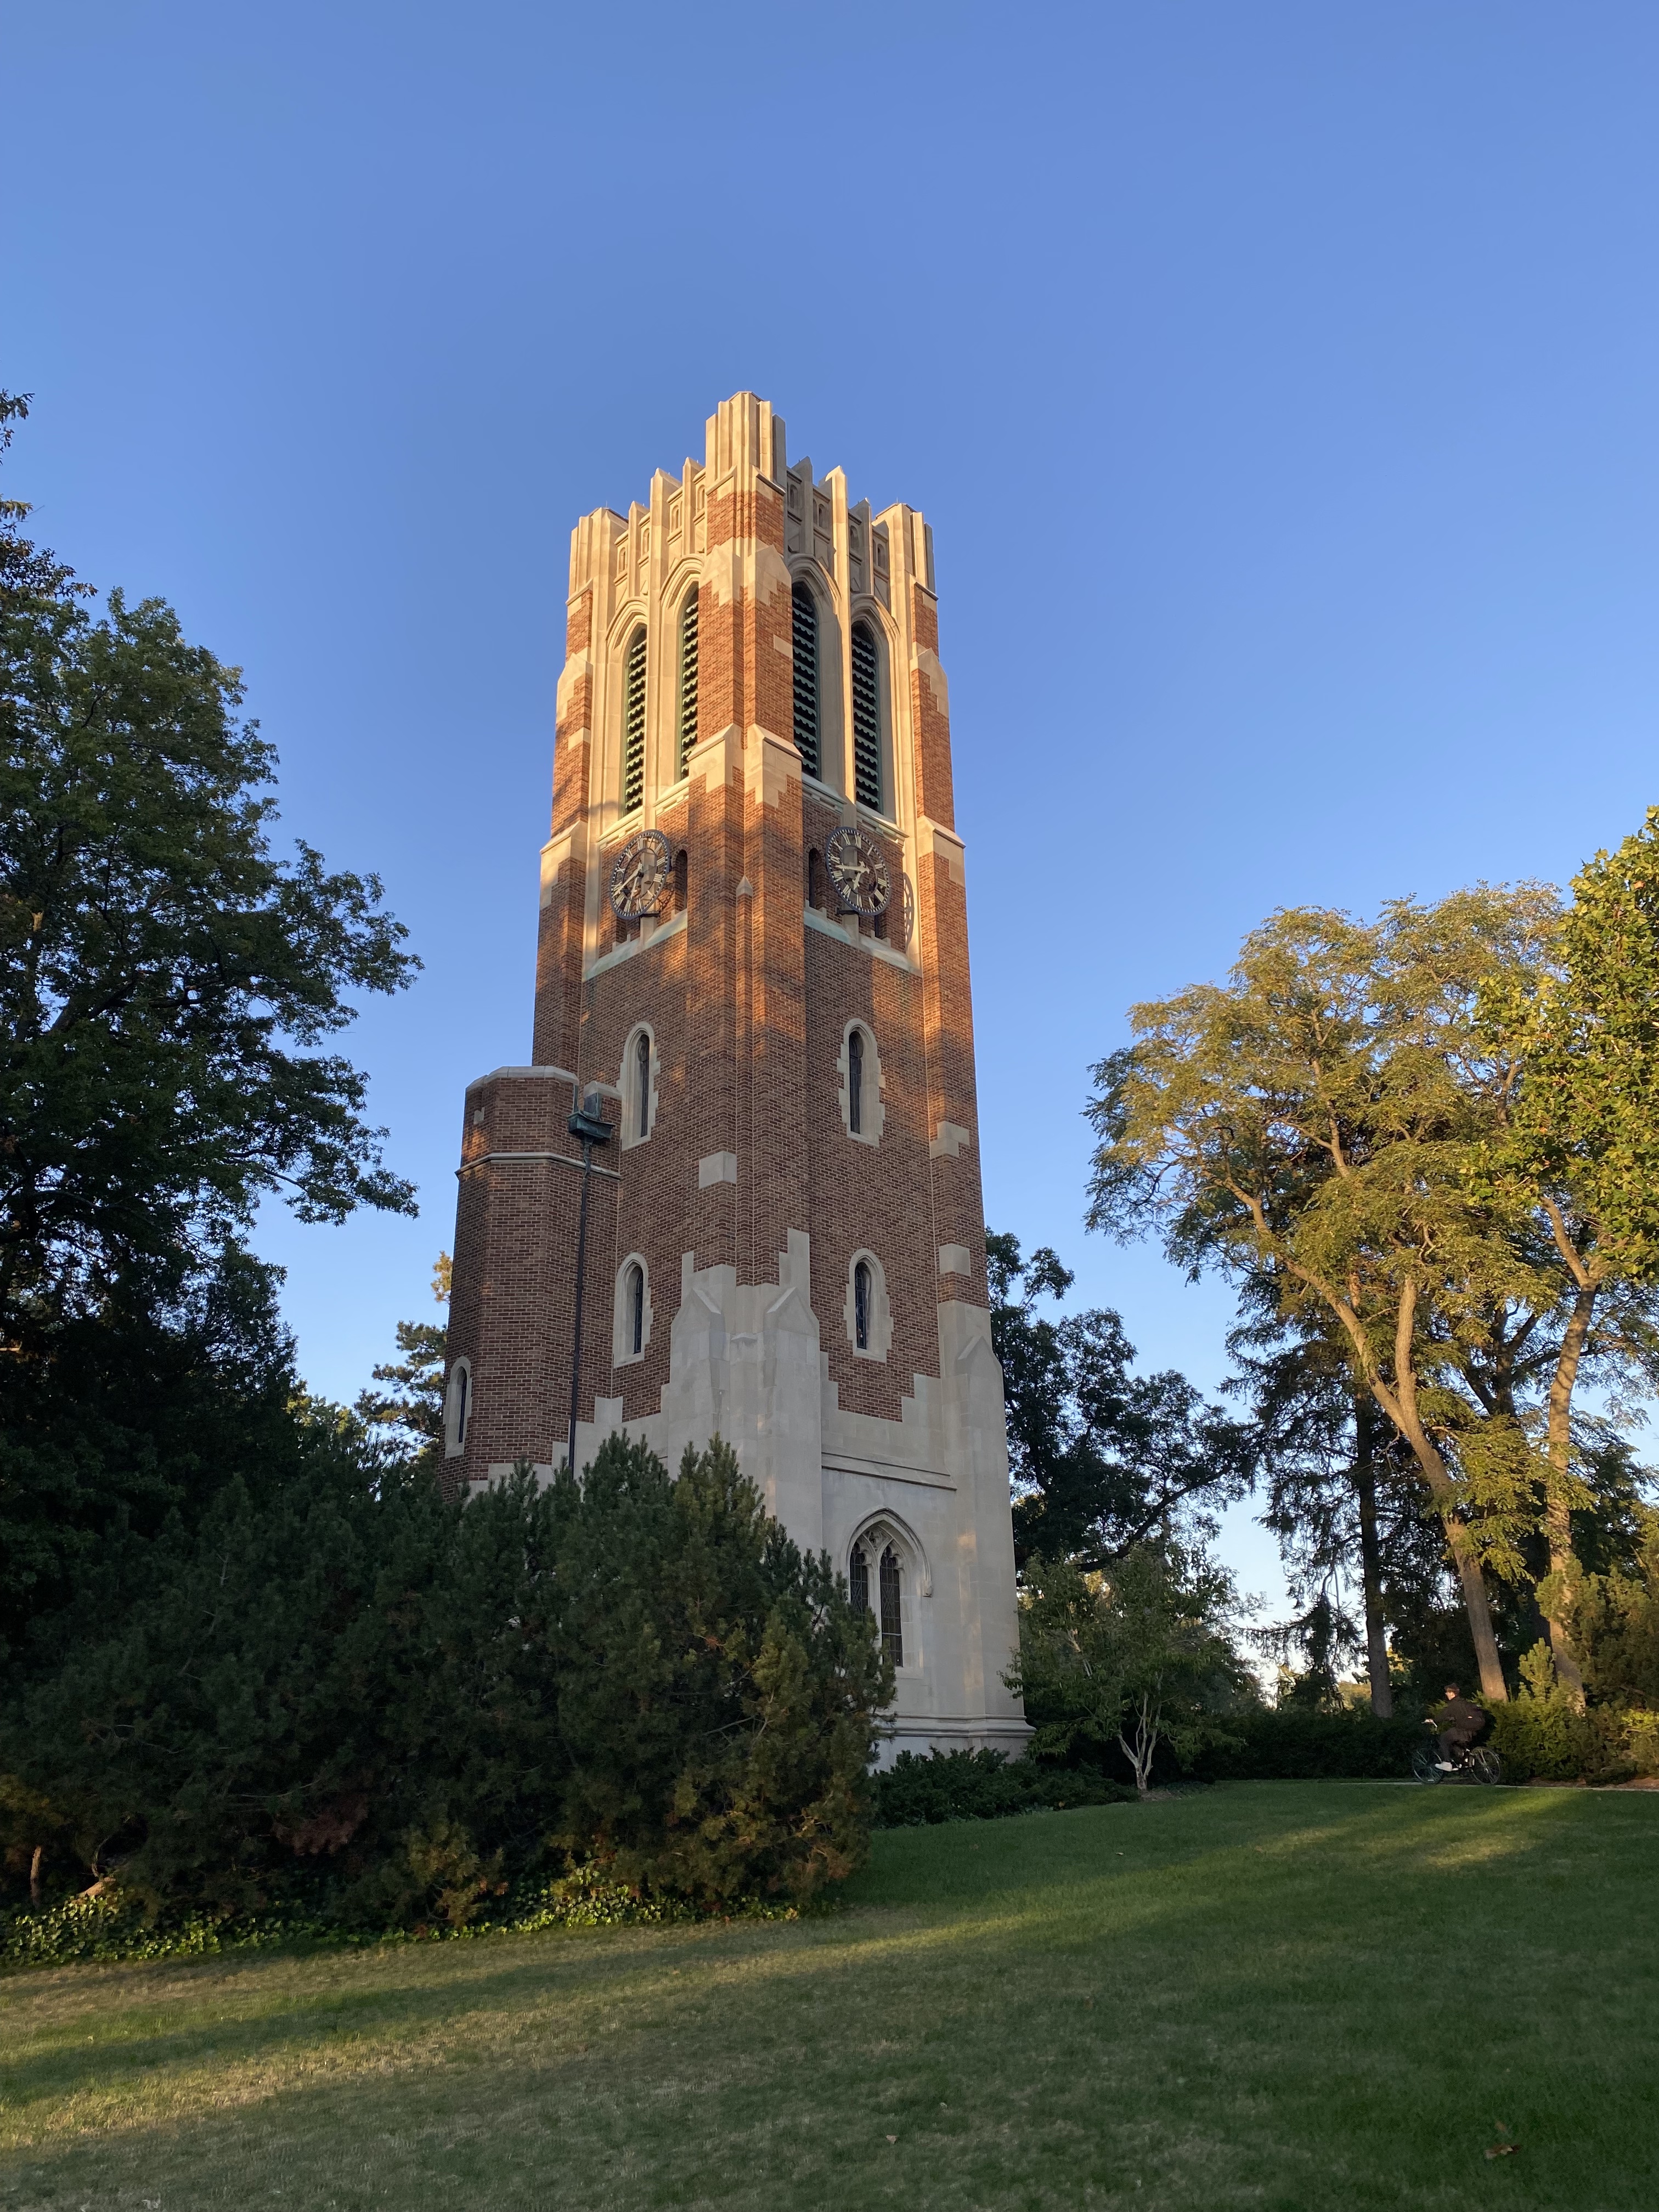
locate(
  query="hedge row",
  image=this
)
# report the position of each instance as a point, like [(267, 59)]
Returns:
[(1545, 1740), (1291, 1743), (916, 1792)]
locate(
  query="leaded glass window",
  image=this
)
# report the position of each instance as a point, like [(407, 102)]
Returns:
[(858, 1580), (892, 1630)]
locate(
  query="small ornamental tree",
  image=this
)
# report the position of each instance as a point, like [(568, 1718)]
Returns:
[(1126, 1660)]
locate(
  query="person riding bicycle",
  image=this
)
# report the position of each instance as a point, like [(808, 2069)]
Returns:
[(1457, 1723)]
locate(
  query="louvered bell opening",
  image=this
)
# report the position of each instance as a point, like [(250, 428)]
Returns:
[(688, 676), (806, 678), (634, 726), (866, 717)]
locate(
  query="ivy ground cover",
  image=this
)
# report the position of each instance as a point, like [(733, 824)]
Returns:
[(1260, 1996)]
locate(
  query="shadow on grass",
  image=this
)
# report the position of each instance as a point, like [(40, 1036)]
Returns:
[(1251, 1997)]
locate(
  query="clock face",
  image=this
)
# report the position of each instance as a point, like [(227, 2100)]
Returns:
[(907, 928), (641, 875), (858, 869)]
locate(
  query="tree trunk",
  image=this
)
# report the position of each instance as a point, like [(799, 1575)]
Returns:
[(1403, 1413), (1370, 1561), (34, 1876), (1557, 1511), (1493, 1687)]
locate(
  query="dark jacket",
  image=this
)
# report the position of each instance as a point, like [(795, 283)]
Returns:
[(1461, 1720)]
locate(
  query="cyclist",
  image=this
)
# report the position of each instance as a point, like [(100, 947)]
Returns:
[(1458, 1722)]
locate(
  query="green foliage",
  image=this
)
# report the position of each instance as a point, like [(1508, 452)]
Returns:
[(1121, 1662), (164, 980), (1585, 1129), (1102, 1458), (114, 1927), (1295, 1743), (916, 1791), (1312, 1125), (409, 1406), (135, 1414), (353, 1701)]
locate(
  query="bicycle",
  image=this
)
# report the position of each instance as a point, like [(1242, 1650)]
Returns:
[(1469, 1763)]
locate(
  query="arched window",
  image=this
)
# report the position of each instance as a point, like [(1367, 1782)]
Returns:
[(458, 1409), (633, 787), (630, 1314), (866, 1311), (858, 1580), (867, 716), (687, 676), (859, 1084), (641, 1067), (806, 677), (642, 1084), (892, 1632)]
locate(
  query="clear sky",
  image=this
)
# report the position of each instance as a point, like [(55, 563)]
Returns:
[(1278, 378)]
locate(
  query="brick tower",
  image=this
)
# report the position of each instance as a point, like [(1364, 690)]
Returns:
[(753, 966)]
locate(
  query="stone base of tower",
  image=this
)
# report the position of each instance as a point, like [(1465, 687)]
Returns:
[(930, 1488)]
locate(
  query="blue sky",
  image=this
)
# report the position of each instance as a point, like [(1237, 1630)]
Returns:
[(1279, 380)]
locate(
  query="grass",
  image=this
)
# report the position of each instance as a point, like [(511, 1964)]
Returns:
[(1266, 1996)]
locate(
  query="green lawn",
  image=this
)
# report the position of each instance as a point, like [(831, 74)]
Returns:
[(1269, 1995)]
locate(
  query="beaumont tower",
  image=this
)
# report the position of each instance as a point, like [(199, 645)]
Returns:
[(753, 969)]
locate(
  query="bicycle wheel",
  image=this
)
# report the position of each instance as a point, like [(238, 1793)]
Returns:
[(1483, 1766), (1426, 1764)]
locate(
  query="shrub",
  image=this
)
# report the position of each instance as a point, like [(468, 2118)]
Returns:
[(358, 1704), (917, 1790), (1294, 1743)]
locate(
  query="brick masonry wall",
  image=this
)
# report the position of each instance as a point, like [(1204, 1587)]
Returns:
[(515, 1273), (935, 795), (748, 1005)]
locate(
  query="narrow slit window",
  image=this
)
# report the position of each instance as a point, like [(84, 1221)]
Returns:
[(892, 1632), (642, 1084), (855, 1081), (867, 716), (687, 676), (636, 1309), (462, 1379), (862, 1305), (806, 677), (633, 791), (858, 1580), (682, 881)]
